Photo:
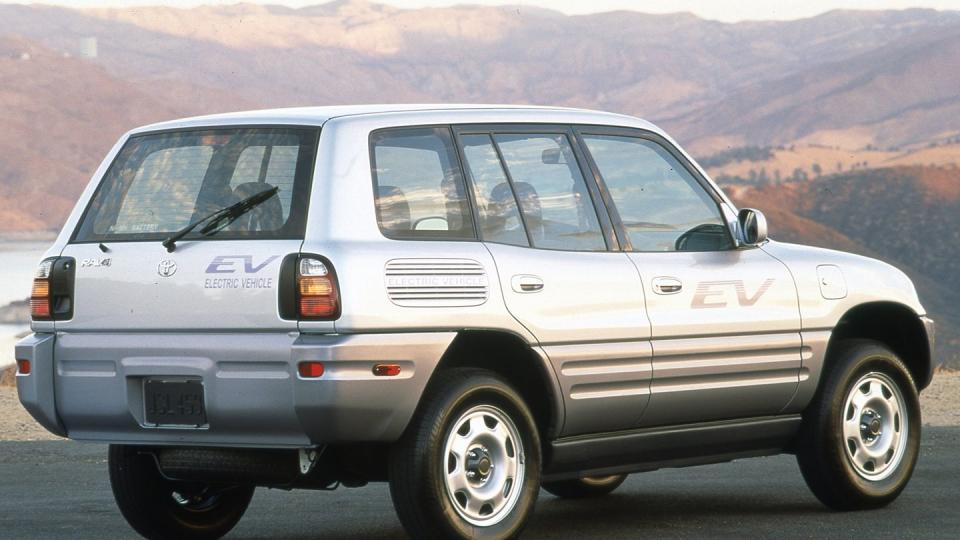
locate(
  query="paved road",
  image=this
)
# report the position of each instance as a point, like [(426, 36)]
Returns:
[(60, 490)]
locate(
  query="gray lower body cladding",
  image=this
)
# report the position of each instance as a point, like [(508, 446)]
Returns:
[(90, 386), (670, 446)]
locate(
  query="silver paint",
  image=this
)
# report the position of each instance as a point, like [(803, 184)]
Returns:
[(618, 333)]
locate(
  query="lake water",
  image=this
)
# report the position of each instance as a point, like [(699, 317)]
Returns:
[(18, 262), (8, 338)]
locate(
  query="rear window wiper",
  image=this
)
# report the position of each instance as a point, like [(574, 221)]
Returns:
[(221, 218)]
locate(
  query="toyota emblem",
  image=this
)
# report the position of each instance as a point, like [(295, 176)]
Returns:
[(167, 268)]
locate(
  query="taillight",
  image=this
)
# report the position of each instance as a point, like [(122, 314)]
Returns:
[(51, 298), (318, 297), (40, 294)]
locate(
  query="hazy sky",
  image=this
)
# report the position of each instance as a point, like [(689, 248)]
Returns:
[(724, 10)]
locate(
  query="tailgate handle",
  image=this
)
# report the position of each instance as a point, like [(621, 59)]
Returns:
[(667, 285), (525, 283)]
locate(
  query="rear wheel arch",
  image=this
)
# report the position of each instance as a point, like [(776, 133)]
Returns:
[(511, 357), (896, 326)]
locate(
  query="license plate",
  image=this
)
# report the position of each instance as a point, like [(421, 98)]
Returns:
[(174, 403)]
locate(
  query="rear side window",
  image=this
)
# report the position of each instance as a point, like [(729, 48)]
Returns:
[(161, 182), (419, 189)]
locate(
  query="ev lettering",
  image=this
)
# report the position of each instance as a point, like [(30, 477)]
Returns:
[(715, 294), (224, 264)]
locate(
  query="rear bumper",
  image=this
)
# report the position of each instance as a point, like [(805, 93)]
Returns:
[(90, 386), (36, 389)]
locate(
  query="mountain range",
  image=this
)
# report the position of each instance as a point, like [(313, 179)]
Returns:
[(834, 97)]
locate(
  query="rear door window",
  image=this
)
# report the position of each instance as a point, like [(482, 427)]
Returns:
[(160, 182), (557, 207), (496, 205), (419, 189)]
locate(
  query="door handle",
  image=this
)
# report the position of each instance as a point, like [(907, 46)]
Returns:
[(667, 285), (525, 283)]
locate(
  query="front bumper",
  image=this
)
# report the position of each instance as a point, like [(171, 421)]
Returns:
[(930, 329), (89, 386)]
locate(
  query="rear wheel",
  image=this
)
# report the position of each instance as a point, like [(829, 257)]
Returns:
[(158, 508), (468, 465), (861, 436), (590, 486)]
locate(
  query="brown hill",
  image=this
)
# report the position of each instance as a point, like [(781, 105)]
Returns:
[(658, 66), (712, 83), (60, 118), (901, 94)]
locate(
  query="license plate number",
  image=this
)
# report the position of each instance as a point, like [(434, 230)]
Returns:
[(174, 403)]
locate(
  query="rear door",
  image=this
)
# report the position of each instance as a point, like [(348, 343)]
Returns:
[(725, 320), (559, 275), (159, 183)]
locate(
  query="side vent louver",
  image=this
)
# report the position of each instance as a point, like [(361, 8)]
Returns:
[(436, 282)]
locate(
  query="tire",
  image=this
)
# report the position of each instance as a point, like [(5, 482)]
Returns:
[(147, 500), (860, 437), (582, 488), (463, 424)]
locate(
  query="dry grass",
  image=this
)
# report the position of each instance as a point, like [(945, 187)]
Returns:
[(804, 157), (8, 376), (833, 160)]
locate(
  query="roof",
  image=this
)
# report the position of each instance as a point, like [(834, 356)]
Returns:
[(319, 115)]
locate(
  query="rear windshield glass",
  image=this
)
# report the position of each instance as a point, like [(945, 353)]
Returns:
[(161, 182)]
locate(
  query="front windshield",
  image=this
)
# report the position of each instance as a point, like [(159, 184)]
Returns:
[(161, 182)]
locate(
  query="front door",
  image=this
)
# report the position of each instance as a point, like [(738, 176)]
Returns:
[(725, 320), (580, 299)]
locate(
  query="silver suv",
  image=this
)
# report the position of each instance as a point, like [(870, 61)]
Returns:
[(467, 302)]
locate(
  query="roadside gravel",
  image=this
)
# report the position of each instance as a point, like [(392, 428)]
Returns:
[(940, 405), (940, 402), (15, 423)]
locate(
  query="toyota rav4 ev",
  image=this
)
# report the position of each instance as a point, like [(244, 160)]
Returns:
[(467, 302)]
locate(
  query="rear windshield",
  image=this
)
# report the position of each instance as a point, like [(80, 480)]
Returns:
[(161, 182)]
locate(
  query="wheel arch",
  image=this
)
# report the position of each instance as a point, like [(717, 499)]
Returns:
[(895, 325), (523, 365)]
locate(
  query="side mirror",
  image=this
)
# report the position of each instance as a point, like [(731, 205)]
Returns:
[(753, 226)]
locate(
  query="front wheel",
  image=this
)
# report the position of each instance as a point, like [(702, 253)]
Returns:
[(468, 465), (581, 488), (158, 508), (861, 435)]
